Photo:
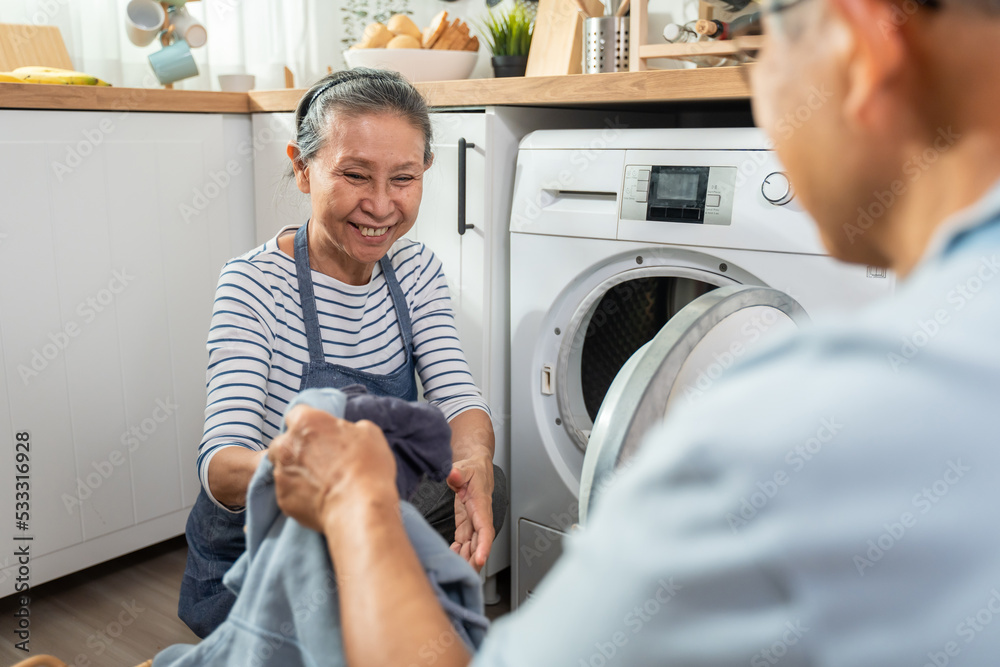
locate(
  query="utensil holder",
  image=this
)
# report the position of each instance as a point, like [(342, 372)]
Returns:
[(605, 44)]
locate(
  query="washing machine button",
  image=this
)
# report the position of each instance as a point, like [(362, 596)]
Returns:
[(641, 197), (713, 200), (642, 186), (643, 173), (777, 189)]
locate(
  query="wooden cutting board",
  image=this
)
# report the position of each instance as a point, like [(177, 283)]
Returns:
[(32, 45), (557, 44)]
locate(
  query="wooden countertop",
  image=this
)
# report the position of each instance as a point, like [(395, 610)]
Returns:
[(716, 84), (103, 98)]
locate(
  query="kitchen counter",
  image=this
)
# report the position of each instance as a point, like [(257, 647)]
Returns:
[(580, 90)]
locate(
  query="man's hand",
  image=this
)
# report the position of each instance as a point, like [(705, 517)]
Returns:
[(323, 464), (472, 482)]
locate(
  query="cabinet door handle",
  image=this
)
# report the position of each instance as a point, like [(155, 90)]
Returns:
[(462, 145)]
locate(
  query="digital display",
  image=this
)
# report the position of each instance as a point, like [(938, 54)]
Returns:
[(672, 185), (677, 194)]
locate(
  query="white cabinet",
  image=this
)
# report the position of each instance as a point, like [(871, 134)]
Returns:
[(113, 230)]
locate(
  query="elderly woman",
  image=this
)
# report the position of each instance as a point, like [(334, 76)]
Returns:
[(344, 299)]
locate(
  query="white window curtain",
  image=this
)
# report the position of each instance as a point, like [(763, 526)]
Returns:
[(259, 37)]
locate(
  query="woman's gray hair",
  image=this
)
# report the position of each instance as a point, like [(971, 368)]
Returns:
[(353, 93)]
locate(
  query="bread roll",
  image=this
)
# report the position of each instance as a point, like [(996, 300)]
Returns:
[(403, 42), (376, 36), (400, 24)]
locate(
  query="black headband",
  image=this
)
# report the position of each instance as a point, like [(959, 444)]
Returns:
[(353, 76)]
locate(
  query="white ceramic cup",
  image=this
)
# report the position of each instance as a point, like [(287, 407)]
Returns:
[(236, 83), (187, 28), (143, 21)]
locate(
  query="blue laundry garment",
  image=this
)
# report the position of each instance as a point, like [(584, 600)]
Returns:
[(287, 609), (418, 434)]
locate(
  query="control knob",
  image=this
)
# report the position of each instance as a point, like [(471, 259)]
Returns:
[(777, 189)]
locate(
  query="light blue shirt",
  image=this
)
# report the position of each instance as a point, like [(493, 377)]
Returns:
[(832, 502)]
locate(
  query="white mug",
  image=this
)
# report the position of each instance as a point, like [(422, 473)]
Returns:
[(236, 83), (187, 28), (143, 21)]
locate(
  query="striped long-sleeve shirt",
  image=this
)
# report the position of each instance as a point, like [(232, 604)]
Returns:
[(257, 345)]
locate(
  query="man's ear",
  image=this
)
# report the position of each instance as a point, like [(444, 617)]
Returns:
[(875, 50), (429, 162), (301, 171)]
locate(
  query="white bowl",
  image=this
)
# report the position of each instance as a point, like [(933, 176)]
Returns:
[(236, 83), (416, 64)]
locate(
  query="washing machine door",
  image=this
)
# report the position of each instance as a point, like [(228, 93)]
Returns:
[(680, 363)]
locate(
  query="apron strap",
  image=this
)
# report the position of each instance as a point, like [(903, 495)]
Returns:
[(399, 303), (307, 297)]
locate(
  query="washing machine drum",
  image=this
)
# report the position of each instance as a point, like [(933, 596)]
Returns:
[(682, 360)]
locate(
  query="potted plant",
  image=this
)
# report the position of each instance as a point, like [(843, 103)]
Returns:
[(508, 35)]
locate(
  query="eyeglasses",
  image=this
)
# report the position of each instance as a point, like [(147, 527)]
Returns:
[(748, 31), (748, 36)]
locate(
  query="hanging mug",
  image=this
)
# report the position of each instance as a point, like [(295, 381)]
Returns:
[(173, 63), (143, 21)]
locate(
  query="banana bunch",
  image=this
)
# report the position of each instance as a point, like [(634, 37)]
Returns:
[(51, 75)]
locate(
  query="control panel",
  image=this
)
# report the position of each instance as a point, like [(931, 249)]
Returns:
[(673, 193)]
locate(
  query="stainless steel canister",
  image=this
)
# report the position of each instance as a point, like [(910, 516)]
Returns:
[(605, 44)]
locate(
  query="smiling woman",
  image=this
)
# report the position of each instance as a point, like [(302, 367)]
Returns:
[(341, 300)]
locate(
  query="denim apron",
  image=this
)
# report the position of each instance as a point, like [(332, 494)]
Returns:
[(215, 537)]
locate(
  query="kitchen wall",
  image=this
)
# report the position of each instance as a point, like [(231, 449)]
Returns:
[(260, 37)]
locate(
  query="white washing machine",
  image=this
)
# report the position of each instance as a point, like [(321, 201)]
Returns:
[(615, 235)]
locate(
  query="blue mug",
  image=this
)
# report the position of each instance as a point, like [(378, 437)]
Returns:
[(173, 63)]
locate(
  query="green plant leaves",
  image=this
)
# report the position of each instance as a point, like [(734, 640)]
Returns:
[(508, 33)]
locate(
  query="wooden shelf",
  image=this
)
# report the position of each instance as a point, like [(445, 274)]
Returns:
[(578, 90), (695, 49)]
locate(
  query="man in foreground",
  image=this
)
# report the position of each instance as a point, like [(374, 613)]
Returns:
[(877, 548)]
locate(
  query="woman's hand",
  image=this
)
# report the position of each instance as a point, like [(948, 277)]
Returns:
[(472, 482), (471, 479), (323, 465)]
